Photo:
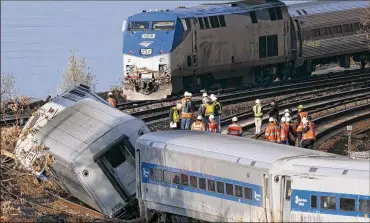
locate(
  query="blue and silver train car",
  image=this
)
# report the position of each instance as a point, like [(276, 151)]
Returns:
[(198, 175)]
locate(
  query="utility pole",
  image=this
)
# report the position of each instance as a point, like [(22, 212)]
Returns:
[(349, 130)]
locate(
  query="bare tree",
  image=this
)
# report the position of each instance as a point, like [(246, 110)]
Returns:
[(7, 86), (78, 72)]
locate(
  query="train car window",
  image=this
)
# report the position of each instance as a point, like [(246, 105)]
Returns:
[(356, 26), (337, 29), (115, 156), (229, 189), (193, 181), (328, 203), (262, 46), (201, 25), (288, 188), (325, 31), (364, 206), (158, 175), (278, 13), (272, 14), (347, 28), (347, 204), (217, 24), (272, 46), (220, 187), (211, 185), (238, 191), (176, 178), (184, 179), (221, 18), (328, 30), (188, 61), (316, 33), (167, 176), (313, 201), (202, 183), (253, 17), (206, 23), (248, 193)]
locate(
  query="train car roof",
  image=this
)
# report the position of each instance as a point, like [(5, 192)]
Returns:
[(320, 7), (319, 166), (216, 9), (229, 148)]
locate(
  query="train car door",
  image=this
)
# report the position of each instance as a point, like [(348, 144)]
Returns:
[(285, 196)]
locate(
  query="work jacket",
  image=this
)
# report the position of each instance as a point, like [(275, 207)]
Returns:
[(212, 127), (234, 130), (299, 120), (198, 126), (284, 132), (174, 114), (112, 102), (218, 108), (292, 135), (272, 133), (257, 111), (187, 108), (309, 131)]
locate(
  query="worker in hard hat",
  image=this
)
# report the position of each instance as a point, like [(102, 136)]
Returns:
[(234, 129), (206, 109), (274, 110), (287, 113), (272, 132), (175, 114), (258, 114), (187, 111), (198, 125), (111, 100), (308, 133), (292, 133), (284, 131), (217, 112), (212, 125), (301, 114)]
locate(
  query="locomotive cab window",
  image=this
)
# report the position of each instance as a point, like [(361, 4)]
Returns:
[(138, 26), (347, 204), (328, 203), (193, 181), (229, 189), (221, 18), (163, 25), (201, 24), (253, 17), (206, 23), (220, 187), (211, 185), (364, 206), (272, 14), (167, 176)]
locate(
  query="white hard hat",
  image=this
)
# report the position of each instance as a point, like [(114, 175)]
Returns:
[(304, 120), (110, 93), (212, 95), (190, 94), (234, 119), (286, 110), (211, 117), (205, 94), (214, 98), (179, 106), (287, 119), (199, 117), (258, 101), (271, 119), (287, 114), (283, 119), (186, 93)]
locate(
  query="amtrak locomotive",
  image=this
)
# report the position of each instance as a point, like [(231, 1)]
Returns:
[(235, 44)]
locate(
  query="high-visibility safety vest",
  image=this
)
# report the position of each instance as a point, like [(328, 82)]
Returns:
[(209, 109), (198, 126), (212, 127), (220, 110), (175, 115), (257, 109), (112, 102), (300, 125), (185, 114), (311, 134), (284, 131), (272, 133), (234, 130)]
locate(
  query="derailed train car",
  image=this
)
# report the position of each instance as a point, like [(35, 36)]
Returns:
[(92, 145), (193, 175)]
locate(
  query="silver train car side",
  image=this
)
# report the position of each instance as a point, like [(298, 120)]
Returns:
[(92, 144), (234, 44), (193, 175)]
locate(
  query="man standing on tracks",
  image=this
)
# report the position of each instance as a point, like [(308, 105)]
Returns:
[(258, 114), (175, 113), (198, 125), (300, 116), (212, 125), (217, 112), (274, 110), (187, 111), (234, 129), (206, 109), (292, 134), (284, 131), (272, 132), (308, 133), (111, 100)]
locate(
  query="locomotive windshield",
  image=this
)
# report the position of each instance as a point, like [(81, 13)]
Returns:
[(138, 26), (163, 25)]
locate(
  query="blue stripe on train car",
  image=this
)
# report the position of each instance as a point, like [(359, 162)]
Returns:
[(301, 202), (257, 197)]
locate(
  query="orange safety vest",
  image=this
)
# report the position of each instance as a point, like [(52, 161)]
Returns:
[(112, 102), (300, 126), (234, 130), (311, 134), (284, 131), (184, 114), (198, 126), (212, 127), (272, 133)]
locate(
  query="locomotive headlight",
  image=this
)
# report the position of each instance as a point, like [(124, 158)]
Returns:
[(163, 67), (129, 68)]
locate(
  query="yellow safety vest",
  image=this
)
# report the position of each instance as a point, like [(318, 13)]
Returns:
[(209, 110), (220, 111), (257, 111), (175, 115)]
